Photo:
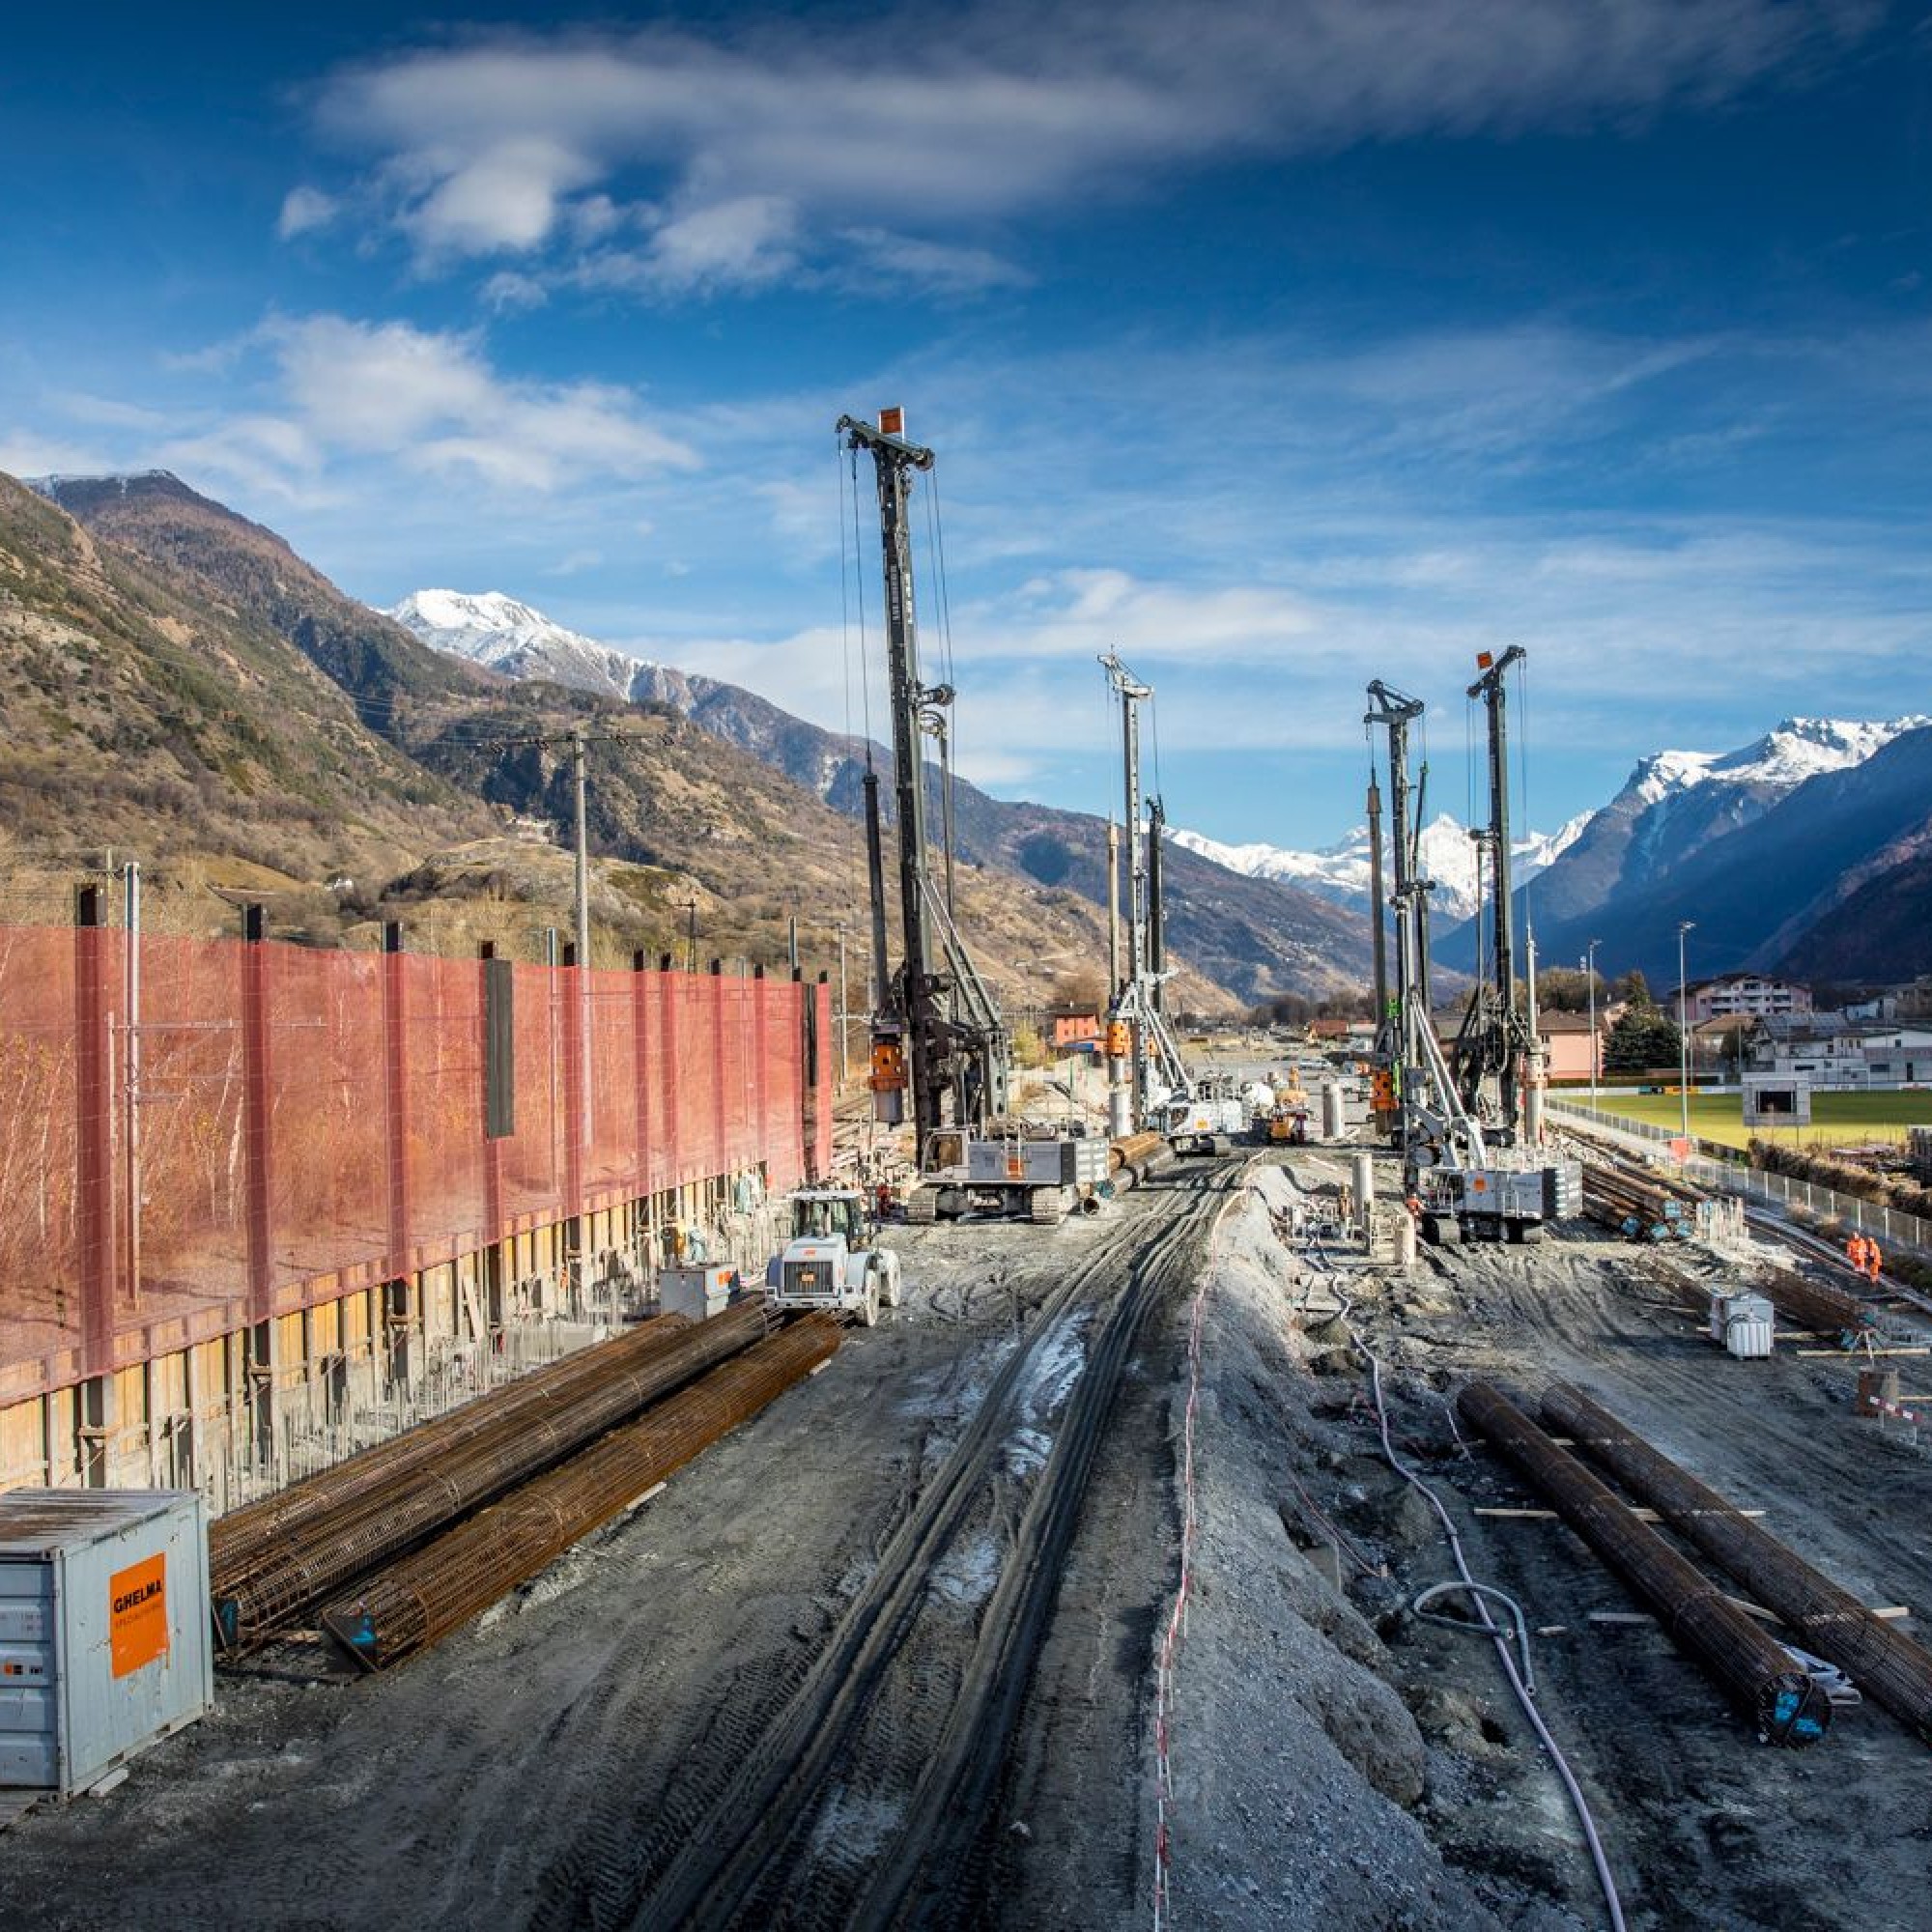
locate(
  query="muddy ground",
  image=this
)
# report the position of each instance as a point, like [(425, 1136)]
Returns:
[(1336, 1762)]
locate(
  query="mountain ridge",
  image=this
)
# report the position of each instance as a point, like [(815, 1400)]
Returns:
[(1255, 937)]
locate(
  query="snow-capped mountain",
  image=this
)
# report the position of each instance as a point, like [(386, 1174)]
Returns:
[(1797, 750), (1675, 803), (1341, 871), (490, 628)]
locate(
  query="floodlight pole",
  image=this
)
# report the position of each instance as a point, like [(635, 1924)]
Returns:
[(1590, 978), (1683, 926)]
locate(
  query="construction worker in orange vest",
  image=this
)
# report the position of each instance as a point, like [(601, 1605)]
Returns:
[(1874, 1260), (1855, 1252)]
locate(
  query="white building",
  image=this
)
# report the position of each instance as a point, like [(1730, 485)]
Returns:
[(1831, 1051), (1743, 993)]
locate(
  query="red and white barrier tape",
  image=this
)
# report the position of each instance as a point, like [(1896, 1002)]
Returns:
[(1177, 1622), (1872, 1405)]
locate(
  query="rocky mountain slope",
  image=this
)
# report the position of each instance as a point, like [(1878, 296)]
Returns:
[(490, 628), (142, 714), (1255, 936), (1674, 807)]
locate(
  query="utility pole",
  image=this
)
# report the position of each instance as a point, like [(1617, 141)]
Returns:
[(577, 764), (691, 951)]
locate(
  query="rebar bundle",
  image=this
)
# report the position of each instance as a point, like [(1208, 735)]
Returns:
[(1827, 1311), (1781, 1701), (1645, 1209), (233, 1539), (418, 1601), (1825, 1619), (383, 1505)]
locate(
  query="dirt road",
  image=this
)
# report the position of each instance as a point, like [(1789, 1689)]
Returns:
[(885, 1655)]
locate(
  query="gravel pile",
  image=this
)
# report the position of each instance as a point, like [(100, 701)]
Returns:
[(1315, 1769)]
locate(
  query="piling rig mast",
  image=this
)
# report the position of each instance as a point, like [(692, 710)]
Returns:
[(1460, 1191), (1494, 1041), (1398, 1073), (937, 1032), (1135, 1019)]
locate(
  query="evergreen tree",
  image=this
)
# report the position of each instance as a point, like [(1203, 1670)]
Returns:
[(1632, 988), (1642, 1039)]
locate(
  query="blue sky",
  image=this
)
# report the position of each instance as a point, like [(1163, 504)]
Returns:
[(1278, 347)]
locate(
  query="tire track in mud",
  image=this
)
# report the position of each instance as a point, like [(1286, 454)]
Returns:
[(865, 1800)]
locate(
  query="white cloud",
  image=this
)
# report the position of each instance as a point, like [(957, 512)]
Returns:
[(1083, 612), (775, 144), (431, 402), (944, 268), (266, 455), (27, 453), (106, 411), (742, 241), (506, 197), (305, 208), (509, 291)]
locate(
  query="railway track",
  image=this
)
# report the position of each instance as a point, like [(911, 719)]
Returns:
[(867, 1799)]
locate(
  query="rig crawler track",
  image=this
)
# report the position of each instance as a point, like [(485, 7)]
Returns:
[(771, 1848)]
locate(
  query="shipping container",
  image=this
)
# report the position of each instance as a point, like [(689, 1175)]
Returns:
[(104, 1640)]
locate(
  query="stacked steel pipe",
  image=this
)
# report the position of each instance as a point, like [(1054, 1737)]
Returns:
[(1824, 1618), (1780, 1700), (1826, 1311), (418, 1601), (278, 1557), (1134, 1157)]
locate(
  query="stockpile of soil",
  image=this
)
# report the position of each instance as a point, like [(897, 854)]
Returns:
[(1318, 1773)]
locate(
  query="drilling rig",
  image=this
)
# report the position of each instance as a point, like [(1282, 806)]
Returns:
[(1395, 1068), (1495, 1053), (1148, 1085), (1461, 1188), (939, 1042)]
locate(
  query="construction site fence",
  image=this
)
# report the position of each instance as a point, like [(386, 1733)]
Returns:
[(1722, 1170), (203, 1134)]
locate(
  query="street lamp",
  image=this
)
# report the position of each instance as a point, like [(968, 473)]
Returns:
[(1683, 926), (1590, 979)]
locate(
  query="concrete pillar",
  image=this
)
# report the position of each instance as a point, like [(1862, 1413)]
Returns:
[(1365, 1189), (1405, 1241)]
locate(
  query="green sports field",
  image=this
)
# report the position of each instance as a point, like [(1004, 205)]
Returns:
[(1836, 1119)]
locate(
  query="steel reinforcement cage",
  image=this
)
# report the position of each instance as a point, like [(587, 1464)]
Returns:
[(274, 1125)]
